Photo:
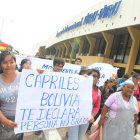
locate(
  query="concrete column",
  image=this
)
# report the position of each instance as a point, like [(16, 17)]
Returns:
[(109, 41), (92, 42), (81, 44), (135, 35)]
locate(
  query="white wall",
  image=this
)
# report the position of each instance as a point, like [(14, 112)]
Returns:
[(128, 10)]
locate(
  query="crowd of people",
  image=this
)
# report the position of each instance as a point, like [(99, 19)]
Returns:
[(115, 102)]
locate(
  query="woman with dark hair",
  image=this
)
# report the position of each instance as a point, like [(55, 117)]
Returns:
[(96, 95), (25, 64), (77, 132), (106, 91), (9, 84)]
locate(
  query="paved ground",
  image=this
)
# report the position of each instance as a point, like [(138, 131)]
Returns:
[(58, 134), (32, 136)]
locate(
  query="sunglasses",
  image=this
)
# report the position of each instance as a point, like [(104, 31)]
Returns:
[(94, 75)]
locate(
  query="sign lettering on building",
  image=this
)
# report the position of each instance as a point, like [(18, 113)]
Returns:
[(106, 12)]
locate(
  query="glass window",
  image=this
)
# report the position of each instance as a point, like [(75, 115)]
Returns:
[(64, 52), (99, 47), (70, 49), (138, 58), (121, 48), (86, 47)]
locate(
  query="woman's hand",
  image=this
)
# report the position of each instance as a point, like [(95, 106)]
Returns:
[(40, 71), (91, 119), (103, 116), (101, 122), (9, 124)]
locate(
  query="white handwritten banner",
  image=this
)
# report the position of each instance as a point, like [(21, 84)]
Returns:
[(48, 65), (107, 71), (51, 100)]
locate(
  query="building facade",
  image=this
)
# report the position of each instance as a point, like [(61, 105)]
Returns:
[(108, 32)]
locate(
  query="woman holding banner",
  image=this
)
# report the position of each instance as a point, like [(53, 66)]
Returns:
[(94, 72), (122, 114), (9, 83), (77, 132)]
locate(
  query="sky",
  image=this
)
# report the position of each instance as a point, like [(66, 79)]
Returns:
[(24, 23)]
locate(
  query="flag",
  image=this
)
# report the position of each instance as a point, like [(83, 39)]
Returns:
[(3, 47)]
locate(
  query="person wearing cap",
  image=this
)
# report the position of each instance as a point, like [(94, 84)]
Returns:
[(122, 109), (83, 70), (123, 78)]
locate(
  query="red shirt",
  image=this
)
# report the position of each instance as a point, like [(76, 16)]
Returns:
[(96, 99), (137, 92)]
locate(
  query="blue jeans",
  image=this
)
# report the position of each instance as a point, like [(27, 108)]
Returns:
[(77, 132)]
